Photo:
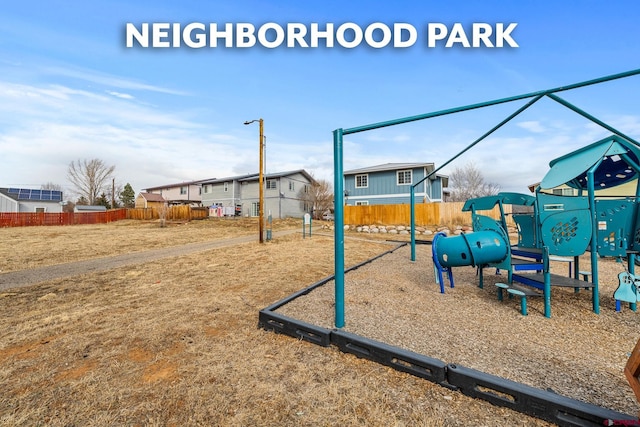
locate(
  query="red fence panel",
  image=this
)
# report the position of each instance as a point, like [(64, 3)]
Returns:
[(28, 219)]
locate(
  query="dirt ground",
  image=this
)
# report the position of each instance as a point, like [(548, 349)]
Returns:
[(174, 341)]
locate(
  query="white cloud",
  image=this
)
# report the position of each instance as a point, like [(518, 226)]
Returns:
[(532, 126), (46, 127), (108, 80), (120, 95)]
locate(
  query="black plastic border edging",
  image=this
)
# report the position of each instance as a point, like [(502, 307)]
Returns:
[(542, 404), (416, 364)]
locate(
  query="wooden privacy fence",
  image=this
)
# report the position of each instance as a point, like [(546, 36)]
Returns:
[(426, 214), (171, 213), (25, 219)]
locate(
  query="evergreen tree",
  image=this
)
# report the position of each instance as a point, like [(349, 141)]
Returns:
[(103, 200), (128, 196)]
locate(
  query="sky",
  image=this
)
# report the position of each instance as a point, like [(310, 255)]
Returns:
[(71, 90)]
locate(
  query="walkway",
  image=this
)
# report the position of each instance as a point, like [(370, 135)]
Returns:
[(21, 278)]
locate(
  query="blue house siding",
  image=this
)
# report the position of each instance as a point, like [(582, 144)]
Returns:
[(383, 187)]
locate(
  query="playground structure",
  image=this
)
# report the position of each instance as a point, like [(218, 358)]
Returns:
[(559, 225), (490, 244), (338, 170)]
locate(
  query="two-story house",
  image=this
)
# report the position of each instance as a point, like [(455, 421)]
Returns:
[(184, 193), (390, 184), (240, 195)]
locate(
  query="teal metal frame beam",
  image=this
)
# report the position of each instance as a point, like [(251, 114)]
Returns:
[(470, 146), (591, 118)]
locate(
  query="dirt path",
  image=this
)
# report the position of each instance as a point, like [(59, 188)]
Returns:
[(21, 278)]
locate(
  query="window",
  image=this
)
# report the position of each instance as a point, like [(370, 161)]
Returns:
[(404, 177), (272, 184), (362, 181), (226, 187), (255, 208), (206, 189), (200, 191), (362, 203), (292, 186), (563, 191), (183, 190)]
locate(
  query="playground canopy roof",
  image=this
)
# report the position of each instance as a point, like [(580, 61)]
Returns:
[(614, 160), (488, 202)]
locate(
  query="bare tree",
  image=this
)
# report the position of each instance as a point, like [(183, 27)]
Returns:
[(466, 182), (51, 186), (319, 196), (90, 178)]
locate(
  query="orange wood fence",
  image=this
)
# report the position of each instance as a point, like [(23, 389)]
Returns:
[(172, 213), (426, 214)]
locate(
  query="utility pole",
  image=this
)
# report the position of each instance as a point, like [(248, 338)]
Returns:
[(113, 193), (260, 179), (261, 182)]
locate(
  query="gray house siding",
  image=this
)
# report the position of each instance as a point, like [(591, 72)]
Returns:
[(215, 194), (7, 204), (280, 193), (49, 207)]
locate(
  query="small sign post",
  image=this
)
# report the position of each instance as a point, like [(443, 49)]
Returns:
[(306, 220)]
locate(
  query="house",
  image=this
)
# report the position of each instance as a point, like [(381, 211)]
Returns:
[(27, 200), (185, 193), (89, 208), (149, 200), (240, 195), (390, 184)]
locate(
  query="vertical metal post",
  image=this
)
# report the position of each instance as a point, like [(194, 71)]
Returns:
[(261, 183), (595, 298), (413, 223), (338, 185), (547, 281)]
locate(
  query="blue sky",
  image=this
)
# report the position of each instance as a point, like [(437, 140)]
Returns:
[(70, 89)]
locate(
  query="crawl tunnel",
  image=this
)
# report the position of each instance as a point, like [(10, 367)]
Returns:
[(474, 249)]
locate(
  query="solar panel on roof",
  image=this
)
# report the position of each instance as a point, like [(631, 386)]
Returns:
[(29, 194)]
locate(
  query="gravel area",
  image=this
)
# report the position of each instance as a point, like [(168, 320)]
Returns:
[(575, 353)]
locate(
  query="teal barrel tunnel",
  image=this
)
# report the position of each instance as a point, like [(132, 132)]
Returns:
[(477, 248)]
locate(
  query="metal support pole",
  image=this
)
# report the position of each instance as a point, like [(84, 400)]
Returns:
[(595, 297), (413, 223), (338, 185)]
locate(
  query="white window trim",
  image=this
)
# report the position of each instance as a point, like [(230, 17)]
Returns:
[(356, 180), (226, 187), (403, 172)]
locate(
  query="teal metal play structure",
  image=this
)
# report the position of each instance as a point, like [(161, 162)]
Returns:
[(566, 226), (561, 226)]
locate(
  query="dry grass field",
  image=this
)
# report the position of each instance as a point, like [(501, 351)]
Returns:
[(175, 341)]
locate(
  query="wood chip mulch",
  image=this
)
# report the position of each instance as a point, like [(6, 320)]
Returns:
[(576, 353)]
